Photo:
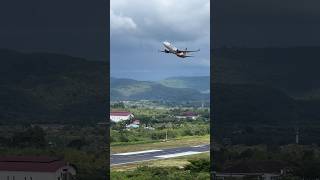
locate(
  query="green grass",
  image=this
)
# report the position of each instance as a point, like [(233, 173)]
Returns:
[(147, 145)]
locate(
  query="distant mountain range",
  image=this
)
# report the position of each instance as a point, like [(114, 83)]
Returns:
[(46, 87), (129, 89), (261, 95), (269, 86), (200, 83), (55, 88), (294, 70)]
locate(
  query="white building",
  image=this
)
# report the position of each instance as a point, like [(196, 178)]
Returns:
[(35, 168), (188, 115), (117, 116)]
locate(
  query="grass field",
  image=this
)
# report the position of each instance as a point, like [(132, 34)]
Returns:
[(147, 145), (177, 162)]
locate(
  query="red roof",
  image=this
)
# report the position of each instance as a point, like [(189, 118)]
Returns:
[(31, 163), (120, 113), (189, 113)]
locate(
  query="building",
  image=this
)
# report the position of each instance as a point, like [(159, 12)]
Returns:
[(117, 116), (263, 170), (130, 126), (35, 168), (134, 124), (136, 121), (188, 115)]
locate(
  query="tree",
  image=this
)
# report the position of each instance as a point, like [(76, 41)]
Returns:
[(32, 137)]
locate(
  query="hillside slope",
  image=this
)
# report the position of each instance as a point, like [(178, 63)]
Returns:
[(51, 88), (293, 70), (128, 89), (200, 83)]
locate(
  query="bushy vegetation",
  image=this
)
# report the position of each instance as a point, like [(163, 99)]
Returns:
[(301, 160), (164, 122), (141, 134), (196, 170)]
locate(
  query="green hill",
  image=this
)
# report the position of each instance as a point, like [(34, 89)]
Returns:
[(128, 89), (293, 70), (261, 95), (51, 88), (200, 83)]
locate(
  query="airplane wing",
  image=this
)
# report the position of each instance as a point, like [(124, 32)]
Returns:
[(165, 51), (186, 51)]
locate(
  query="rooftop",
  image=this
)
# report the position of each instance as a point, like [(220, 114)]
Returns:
[(120, 113), (31, 163), (189, 113)]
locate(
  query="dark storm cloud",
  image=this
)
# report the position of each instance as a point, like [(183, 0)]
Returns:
[(75, 27), (266, 22)]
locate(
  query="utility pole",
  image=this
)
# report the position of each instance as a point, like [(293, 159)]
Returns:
[(166, 135)]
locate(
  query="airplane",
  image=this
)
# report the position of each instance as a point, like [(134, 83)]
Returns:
[(169, 48)]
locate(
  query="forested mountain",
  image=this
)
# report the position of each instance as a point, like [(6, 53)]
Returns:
[(129, 89), (46, 87), (200, 83), (261, 95)]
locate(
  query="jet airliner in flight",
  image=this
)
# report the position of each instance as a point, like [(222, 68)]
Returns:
[(169, 48)]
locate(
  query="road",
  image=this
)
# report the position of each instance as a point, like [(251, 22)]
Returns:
[(139, 156)]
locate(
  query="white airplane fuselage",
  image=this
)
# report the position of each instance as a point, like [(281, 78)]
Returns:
[(171, 49)]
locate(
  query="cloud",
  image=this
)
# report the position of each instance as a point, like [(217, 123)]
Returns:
[(119, 23), (164, 19), (144, 25)]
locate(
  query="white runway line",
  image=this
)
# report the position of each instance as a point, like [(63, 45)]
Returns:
[(178, 154), (137, 152), (199, 145)]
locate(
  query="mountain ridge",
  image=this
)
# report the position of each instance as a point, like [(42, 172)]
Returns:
[(129, 89)]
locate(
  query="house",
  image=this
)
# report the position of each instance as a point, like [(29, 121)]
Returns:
[(264, 170), (117, 116), (134, 124), (35, 168), (136, 121), (188, 115)]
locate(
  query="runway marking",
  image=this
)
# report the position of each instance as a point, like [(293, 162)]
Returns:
[(131, 162), (137, 152), (200, 145), (153, 159), (178, 154)]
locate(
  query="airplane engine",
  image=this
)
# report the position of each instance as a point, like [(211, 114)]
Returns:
[(166, 51)]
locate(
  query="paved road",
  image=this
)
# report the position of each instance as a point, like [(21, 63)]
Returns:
[(138, 156)]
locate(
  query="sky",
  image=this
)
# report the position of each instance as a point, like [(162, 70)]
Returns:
[(72, 27), (138, 29), (79, 28), (266, 23)]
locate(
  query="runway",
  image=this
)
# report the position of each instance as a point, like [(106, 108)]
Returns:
[(140, 156)]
